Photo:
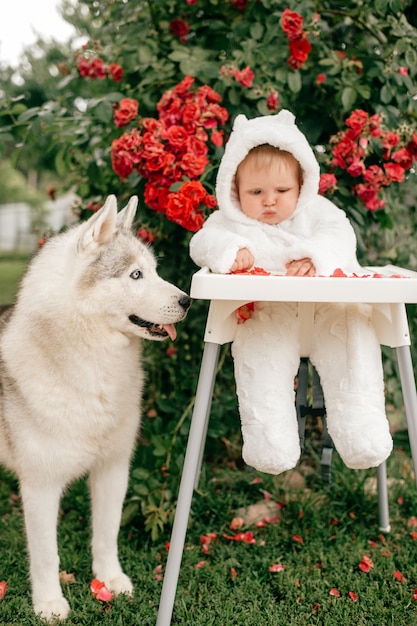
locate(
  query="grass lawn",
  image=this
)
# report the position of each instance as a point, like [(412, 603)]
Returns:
[(316, 538), (12, 267)]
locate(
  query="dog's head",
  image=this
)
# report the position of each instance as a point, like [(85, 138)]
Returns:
[(120, 276)]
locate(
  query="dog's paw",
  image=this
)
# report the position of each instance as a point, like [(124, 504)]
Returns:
[(120, 584), (52, 611)]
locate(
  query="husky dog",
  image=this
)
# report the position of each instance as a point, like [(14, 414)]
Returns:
[(71, 383)]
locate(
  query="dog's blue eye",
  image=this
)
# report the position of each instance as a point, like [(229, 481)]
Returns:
[(136, 274)]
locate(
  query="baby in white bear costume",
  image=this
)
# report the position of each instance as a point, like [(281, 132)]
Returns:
[(271, 216)]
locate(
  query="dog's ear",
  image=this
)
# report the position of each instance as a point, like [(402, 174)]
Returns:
[(100, 228), (127, 215)]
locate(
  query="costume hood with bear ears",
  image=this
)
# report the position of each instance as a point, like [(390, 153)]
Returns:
[(279, 131)]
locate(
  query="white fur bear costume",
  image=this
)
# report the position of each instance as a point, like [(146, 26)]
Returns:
[(266, 349)]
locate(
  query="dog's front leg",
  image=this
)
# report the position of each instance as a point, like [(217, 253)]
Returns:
[(40, 506), (108, 484)]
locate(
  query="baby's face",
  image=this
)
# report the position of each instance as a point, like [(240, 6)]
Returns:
[(268, 195)]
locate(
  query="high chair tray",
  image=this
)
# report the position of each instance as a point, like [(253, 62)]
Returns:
[(386, 284)]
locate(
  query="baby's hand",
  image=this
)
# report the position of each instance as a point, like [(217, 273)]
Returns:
[(243, 261), (302, 267)]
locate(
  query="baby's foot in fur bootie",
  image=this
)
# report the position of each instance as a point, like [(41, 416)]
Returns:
[(272, 456), (365, 448)]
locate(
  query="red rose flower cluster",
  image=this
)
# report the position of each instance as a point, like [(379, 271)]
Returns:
[(184, 206), (367, 150), (174, 148), (96, 68), (300, 47)]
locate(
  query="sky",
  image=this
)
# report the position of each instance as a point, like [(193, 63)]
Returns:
[(21, 21)]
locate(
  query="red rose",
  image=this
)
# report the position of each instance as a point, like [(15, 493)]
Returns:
[(97, 69), (177, 136), (83, 66), (299, 51), (357, 119), (327, 181), (395, 172), (125, 112), (180, 28), (217, 138), (356, 168), (244, 77), (368, 194), (403, 158), (272, 101), (193, 165), (122, 163), (116, 72), (292, 24), (375, 175)]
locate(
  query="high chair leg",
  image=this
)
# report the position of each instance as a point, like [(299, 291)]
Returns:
[(381, 476), (190, 472), (408, 386)]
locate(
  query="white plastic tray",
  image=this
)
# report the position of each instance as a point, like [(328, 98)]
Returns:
[(208, 286)]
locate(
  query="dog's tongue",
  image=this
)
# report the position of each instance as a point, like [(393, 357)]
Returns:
[(170, 328)]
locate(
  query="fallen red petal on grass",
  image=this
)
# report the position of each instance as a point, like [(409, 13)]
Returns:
[(334, 592), (3, 589), (366, 564), (201, 564), (104, 595), (352, 595), (100, 591), (233, 572), (276, 567), (236, 523), (298, 539), (399, 576), (413, 535), (246, 537), (415, 594)]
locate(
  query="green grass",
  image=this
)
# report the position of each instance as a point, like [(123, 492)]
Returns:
[(337, 524), (12, 267)]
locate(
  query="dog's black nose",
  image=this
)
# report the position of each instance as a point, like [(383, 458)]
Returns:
[(185, 302)]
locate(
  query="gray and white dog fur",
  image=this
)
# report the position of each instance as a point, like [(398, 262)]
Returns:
[(71, 383)]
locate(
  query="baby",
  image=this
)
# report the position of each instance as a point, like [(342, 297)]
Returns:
[(271, 216)]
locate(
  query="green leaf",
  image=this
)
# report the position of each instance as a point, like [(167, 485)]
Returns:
[(386, 94), (129, 512), (294, 81), (29, 114), (179, 55), (348, 98), (60, 163), (411, 57), (257, 30), (104, 112)]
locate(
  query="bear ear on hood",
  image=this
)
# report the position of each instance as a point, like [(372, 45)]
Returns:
[(285, 117), (240, 122)]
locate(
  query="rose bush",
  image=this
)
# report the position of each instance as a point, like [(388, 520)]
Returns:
[(145, 106)]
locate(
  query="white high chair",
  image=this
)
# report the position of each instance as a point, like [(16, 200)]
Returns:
[(387, 295)]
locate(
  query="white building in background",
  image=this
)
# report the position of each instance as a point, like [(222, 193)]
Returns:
[(16, 222)]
